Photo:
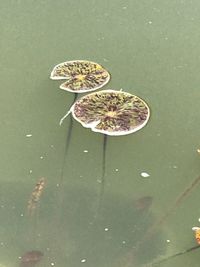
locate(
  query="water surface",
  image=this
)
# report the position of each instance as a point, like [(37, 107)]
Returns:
[(151, 49)]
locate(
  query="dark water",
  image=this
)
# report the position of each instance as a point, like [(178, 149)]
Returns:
[(151, 49)]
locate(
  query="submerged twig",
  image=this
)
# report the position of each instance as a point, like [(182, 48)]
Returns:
[(179, 200), (174, 255), (154, 228)]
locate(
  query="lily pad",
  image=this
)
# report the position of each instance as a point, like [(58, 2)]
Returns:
[(80, 75), (111, 112)]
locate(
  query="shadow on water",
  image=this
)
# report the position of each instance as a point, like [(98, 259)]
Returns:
[(31, 258), (121, 235), (77, 237), (126, 232), (109, 239)]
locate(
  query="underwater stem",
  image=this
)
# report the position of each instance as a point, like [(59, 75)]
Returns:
[(60, 192), (102, 181), (68, 139)]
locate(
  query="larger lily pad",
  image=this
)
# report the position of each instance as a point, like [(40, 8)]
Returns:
[(111, 112), (80, 75)]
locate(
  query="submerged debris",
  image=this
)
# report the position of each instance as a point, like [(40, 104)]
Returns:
[(111, 112), (31, 258), (35, 196), (145, 174), (29, 135), (197, 234), (80, 75), (143, 203)]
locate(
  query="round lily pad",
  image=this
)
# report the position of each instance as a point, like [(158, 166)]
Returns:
[(111, 112), (80, 75)]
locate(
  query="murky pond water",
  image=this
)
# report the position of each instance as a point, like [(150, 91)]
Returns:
[(150, 199)]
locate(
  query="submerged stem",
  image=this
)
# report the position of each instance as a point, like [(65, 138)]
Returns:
[(103, 165), (68, 139), (102, 181), (67, 145), (64, 117), (103, 172)]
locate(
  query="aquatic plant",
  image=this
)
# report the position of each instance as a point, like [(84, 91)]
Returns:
[(111, 112), (81, 76)]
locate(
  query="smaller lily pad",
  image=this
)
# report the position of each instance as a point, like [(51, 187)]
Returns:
[(111, 112), (80, 75)]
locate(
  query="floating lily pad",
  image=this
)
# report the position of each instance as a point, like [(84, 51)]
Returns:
[(111, 112), (80, 75)]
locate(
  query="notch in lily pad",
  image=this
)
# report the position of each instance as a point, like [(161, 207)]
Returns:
[(81, 76), (111, 112)]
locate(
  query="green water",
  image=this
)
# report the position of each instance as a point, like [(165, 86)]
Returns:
[(151, 49)]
